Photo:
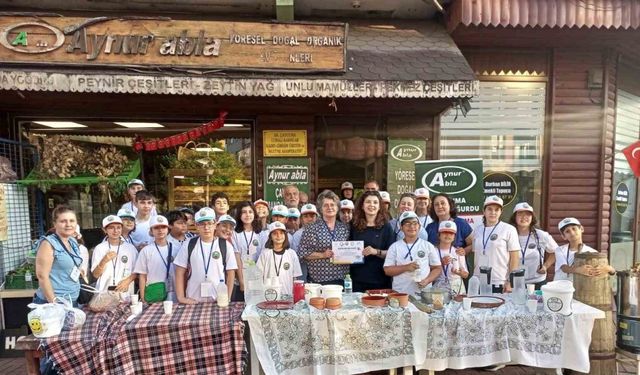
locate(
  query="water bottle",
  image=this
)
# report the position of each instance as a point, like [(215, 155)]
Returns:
[(223, 295), (348, 284), (28, 280), (474, 286)]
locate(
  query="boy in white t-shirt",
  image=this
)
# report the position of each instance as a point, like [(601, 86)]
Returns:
[(412, 262), (572, 230), (200, 270), (177, 229), (114, 260), (154, 263), (454, 267), (278, 261), (141, 236)]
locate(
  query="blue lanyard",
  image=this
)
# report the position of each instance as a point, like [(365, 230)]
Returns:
[(425, 221), (75, 253), (410, 248), (399, 227), (208, 262), (485, 241), (166, 262), (332, 233), (445, 269)]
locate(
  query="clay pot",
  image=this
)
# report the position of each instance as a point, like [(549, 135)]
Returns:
[(374, 301), (317, 302), (403, 298), (333, 303)]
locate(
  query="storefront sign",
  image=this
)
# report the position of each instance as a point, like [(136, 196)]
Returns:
[(502, 185), (401, 172), (280, 172), (621, 197), (162, 42), (460, 179), (188, 85), (284, 142)]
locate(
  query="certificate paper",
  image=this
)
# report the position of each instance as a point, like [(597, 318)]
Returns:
[(347, 252)]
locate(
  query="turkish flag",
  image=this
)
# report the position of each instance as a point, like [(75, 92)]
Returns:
[(632, 153)]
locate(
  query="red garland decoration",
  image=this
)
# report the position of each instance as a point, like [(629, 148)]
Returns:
[(140, 144)]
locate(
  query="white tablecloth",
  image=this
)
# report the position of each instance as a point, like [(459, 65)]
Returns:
[(482, 337), (347, 341)]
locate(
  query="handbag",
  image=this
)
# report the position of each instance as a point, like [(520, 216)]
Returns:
[(102, 300), (155, 292)]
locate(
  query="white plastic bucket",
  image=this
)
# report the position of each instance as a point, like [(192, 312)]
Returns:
[(311, 290), (557, 296), (332, 291)]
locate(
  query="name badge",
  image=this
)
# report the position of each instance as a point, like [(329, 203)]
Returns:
[(206, 289), (75, 274)]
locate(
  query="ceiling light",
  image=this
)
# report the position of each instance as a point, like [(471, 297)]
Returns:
[(60, 124), (233, 125), (139, 124), (208, 149)]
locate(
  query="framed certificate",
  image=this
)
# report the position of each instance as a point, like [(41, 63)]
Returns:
[(347, 252)]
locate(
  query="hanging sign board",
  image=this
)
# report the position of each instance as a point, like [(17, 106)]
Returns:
[(284, 142), (280, 172), (401, 172)]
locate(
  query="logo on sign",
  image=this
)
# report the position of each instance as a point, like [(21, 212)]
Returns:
[(406, 152), (31, 37), (449, 179)]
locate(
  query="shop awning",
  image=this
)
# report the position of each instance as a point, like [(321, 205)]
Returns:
[(383, 60)]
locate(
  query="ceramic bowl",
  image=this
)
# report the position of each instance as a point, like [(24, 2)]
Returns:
[(374, 301), (333, 303), (403, 298), (317, 302)]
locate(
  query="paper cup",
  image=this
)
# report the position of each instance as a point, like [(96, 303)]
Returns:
[(136, 309), (466, 303), (531, 288), (168, 307), (134, 299), (532, 305)]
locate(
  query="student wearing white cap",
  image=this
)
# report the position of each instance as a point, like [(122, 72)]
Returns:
[(534, 245), (278, 261), (204, 263), (279, 213), (293, 220), (346, 190), (496, 245), (154, 264), (346, 211), (572, 231), (423, 203), (412, 262), (262, 212), (386, 204), (114, 260), (407, 203), (454, 266), (128, 218), (308, 215)]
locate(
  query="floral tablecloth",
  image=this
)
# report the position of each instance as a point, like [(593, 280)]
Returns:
[(351, 340)]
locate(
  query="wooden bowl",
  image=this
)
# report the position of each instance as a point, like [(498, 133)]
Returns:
[(317, 302), (333, 303), (374, 301), (403, 298)]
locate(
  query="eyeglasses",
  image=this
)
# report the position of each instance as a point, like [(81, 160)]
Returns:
[(206, 224), (410, 224)]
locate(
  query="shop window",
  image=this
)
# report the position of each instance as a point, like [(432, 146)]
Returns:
[(623, 205), (505, 127)]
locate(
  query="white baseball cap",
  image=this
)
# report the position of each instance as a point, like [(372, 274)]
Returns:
[(447, 226), (346, 204), (111, 219), (227, 219), (421, 193), (309, 209), (280, 210), (493, 199), (293, 212), (205, 214), (158, 221), (135, 181), (407, 215), (567, 221), (523, 206), (276, 225), (346, 185), (262, 202), (125, 212), (385, 196)]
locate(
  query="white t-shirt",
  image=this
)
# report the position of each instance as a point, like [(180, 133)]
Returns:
[(424, 221), (401, 253), (124, 264), (491, 247), (141, 234), (134, 209), (534, 246), (84, 254), (205, 255), (152, 261), (397, 229), (247, 244), (177, 244), (458, 262), (564, 256), (284, 266), (264, 237)]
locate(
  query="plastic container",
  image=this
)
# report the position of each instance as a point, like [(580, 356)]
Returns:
[(298, 290), (311, 290), (348, 284), (557, 296), (223, 294), (331, 291)]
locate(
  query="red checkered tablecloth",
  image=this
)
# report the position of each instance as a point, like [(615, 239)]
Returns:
[(196, 339)]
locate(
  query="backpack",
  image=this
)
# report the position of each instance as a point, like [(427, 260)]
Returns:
[(222, 244)]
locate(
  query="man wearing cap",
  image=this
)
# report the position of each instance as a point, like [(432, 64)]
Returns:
[(200, 266), (346, 211), (346, 190), (291, 196), (114, 260), (496, 245), (412, 262), (309, 214), (572, 231), (422, 207), (154, 264)]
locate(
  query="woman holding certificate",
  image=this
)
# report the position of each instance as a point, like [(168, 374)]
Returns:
[(370, 226), (316, 242)]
